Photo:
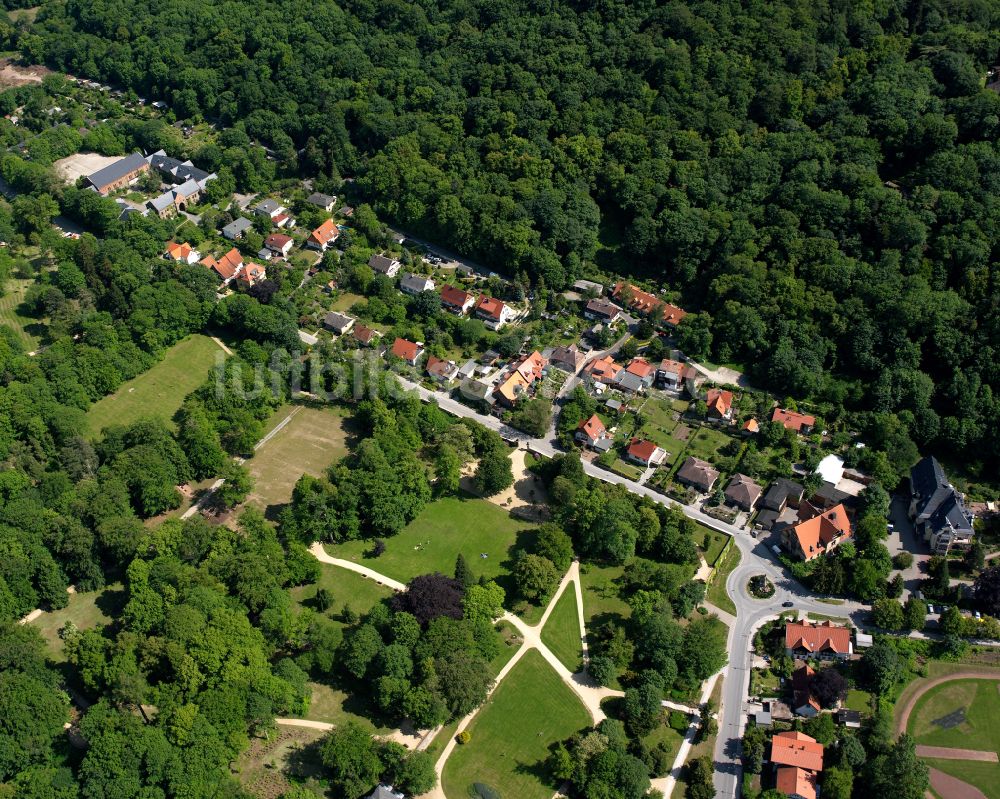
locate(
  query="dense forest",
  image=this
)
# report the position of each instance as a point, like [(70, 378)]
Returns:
[(819, 178)]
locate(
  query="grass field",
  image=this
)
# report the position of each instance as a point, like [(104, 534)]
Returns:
[(561, 632), (707, 443), (626, 469), (601, 600), (161, 390), (312, 440), (28, 329), (347, 587), (344, 302), (433, 540), (859, 700), (716, 542), (985, 776), (531, 709), (716, 593), (87, 611), (981, 701)]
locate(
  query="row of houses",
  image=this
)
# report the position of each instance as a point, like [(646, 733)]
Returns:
[(228, 268)]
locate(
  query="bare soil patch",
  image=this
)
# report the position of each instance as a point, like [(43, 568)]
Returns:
[(949, 787), (81, 164), (266, 765), (12, 74), (950, 753)]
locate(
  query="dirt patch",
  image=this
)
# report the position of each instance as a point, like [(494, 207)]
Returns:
[(12, 74), (82, 164), (527, 496), (948, 787), (681, 432), (950, 753)]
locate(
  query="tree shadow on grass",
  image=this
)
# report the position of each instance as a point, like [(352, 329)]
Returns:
[(111, 601)]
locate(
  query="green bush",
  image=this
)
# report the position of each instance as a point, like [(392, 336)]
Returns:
[(464, 737), (678, 721)]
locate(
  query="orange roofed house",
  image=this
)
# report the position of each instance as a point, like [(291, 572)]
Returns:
[(521, 378), (184, 253), (494, 313), (251, 274), (645, 303), (408, 351), (456, 301), (225, 267), (798, 759), (590, 431), (603, 370), (824, 640), (793, 420), (720, 403), (323, 236), (818, 534)]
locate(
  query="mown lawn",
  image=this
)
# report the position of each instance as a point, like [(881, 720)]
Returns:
[(445, 528), (160, 391), (711, 542), (312, 440), (716, 593), (707, 443), (347, 587), (561, 632), (601, 600), (28, 329), (530, 710), (87, 611), (344, 302), (980, 699)]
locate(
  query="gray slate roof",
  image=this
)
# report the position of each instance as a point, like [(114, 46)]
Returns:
[(117, 170), (179, 171), (322, 200), (380, 263), (237, 226), (780, 491), (165, 200), (414, 283), (937, 499)]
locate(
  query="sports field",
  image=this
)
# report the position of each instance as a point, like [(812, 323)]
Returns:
[(960, 713), (533, 700), (160, 391)]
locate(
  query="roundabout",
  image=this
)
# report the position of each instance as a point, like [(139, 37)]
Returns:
[(759, 587)]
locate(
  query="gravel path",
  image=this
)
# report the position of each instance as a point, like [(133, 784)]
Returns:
[(950, 753), (948, 787)]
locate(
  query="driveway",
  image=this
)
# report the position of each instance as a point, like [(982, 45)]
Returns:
[(904, 538)]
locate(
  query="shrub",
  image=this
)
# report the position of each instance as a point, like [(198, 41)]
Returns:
[(463, 737), (678, 721)]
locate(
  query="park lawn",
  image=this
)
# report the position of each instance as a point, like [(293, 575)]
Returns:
[(666, 734), (601, 599), (529, 711), (707, 443), (336, 706), (87, 611), (28, 329), (711, 542), (981, 701), (442, 530), (161, 390), (985, 776), (313, 439), (561, 632), (716, 593), (347, 587)]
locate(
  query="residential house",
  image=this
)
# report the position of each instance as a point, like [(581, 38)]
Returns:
[(937, 509), (720, 404), (818, 534), (279, 244), (384, 266), (645, 453), (798, 760), (456, 301), (441, 370), (602, 311), (588, 286), (323, 236), (643, 370), (127, 210), (475, 390), (670, 374), (697, 474), (235, 230), (384, 791), (184, 253), (347, 211), (269, 208), (365, 335), (468, 369), (817, 640), (225, 267), (743, 492), (119, 175), (522, 376), (339, 323), (415, 284), (848, 718), (264, 254), (646, 304), (750, 427), (251, 274), (569, 359), (494, 313), (407, 351), (324, 201), (602, 370), (590, 431), (793, 420), (804, 702)]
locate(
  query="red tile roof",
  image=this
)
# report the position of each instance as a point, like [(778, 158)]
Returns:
[(644, 302), (179, 252), (603, 369), (364, 334), (454, 297), (491, 307), (792, 420), (751, 426), (719, 401), (252, 274), (593, 428), (642, 450), (227, 266), (819, 637), (793, 781), (324, 234), (404, 349), (277, 241), (815, 534), (640, 367), (798, 750)]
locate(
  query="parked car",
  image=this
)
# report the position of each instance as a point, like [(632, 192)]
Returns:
[(776, 549), (788, 604), (930, 609)]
